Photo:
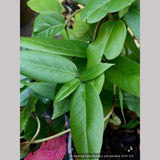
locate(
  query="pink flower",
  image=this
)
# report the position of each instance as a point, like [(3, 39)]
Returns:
[(54, 149)]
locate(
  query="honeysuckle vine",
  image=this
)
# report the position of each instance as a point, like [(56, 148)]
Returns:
[(93, 69)]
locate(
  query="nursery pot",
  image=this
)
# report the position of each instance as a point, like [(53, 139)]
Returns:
[(26, 14)]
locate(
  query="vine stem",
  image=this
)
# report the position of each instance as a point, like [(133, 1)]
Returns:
[(68, 20), (33, 138)]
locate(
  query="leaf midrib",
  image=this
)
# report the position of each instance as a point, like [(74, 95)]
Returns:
[(51, 68), (52, 46)]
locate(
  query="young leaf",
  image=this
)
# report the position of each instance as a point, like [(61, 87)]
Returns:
[(81, 29), (26, 111), (48, 24), (55, 46), (87, 121), (116, 40), (95, 71), (133, 103), (45, 5), (61, 107), (47, 67), (96, 10), (66, 90), (44, 89), (132, 18), (125, 74)]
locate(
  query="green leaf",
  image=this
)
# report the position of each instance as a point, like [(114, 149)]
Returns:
[(55, 46), (132, 18), (24, 96), (98, 83), (87, 120), (98, 45), (133, 103), (48, 24), (45, 5), (44, 89), (26, 111), (61, 107), (82, 1), (66, 90), (131, 124), (47, 67), (116, 40), (125, 74), (96, 10), (81, 29), (110, 34), (95, 71)]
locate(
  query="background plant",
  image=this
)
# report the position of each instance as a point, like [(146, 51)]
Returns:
[(92, 69)]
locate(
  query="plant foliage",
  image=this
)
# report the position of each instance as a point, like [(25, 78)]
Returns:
[(79, 73)]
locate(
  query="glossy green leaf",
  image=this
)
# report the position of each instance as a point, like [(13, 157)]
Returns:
[(47, 67), (27, 110), (55, 46), (131, 124), (66, 90), (87, 121), (95, 71), (133, 103), (96, 10), (81, 29), (82, 1), (61, 107), (45, 5), (44, 89), (132, 18), (98, 83), (125, 74), (116, 40), (48, 24)]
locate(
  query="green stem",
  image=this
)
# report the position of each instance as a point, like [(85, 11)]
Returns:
[(33, 138), (68, 20)]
